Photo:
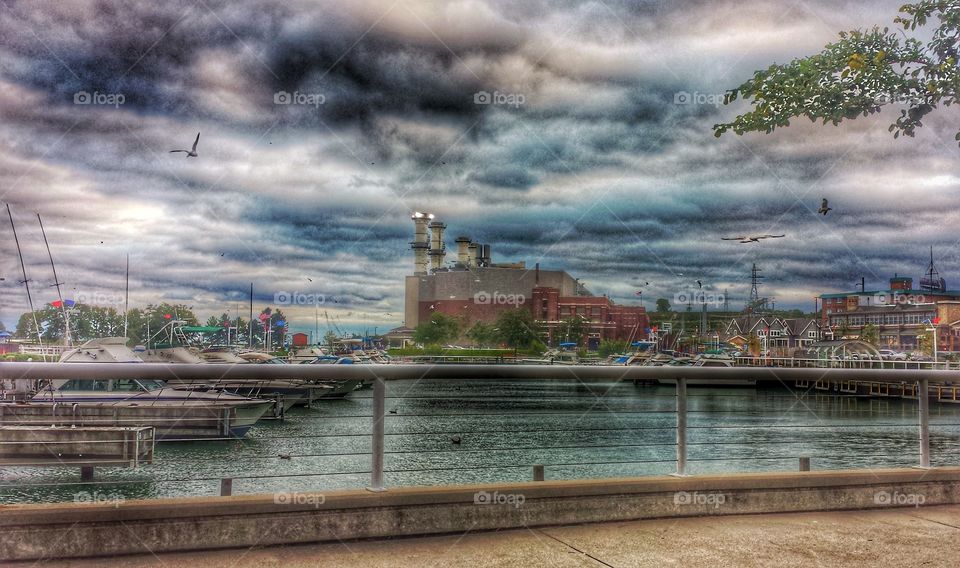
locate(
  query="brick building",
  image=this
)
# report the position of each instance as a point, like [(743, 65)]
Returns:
[(475, 289), (900, 313)]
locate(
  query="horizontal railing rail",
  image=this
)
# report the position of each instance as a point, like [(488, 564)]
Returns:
[(218, 371), (674, 427)]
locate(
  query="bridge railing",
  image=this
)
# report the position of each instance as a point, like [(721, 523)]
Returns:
[(391, 431)]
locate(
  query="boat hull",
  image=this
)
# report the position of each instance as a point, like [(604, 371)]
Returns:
[(184, 420)]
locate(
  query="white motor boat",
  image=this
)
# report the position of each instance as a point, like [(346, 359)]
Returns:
[(175, 413)]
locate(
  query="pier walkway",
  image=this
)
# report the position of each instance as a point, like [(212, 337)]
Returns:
[(903, 537)]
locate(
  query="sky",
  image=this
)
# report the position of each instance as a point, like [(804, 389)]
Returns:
[(573, 134)]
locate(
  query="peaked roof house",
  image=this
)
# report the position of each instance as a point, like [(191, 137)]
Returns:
[(782, 336)]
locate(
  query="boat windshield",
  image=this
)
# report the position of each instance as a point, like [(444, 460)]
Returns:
[(103, 385), (136, 385)]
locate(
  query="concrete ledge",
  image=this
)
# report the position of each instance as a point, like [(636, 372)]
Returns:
[(166, 525)]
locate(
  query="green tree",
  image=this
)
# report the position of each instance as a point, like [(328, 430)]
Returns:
[(440, 329), (925, 343), (482, 334), (572, 329), (753, 345), (330, 340), (518, 329), (870, 334), (607, 348), (663, 305), (860, 73)]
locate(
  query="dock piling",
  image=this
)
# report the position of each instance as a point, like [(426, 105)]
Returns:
[(538, 473), (226, 486), (804, 464)]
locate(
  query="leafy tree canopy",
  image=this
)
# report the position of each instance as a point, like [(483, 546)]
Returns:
[(860, 73)]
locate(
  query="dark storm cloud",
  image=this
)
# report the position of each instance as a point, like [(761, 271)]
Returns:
[(595, 167)]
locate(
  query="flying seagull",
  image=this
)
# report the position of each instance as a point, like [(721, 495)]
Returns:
[(751, 238), (191, 153), (824, 207)]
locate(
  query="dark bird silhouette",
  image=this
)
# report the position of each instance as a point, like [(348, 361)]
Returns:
[(192, 152), (824, 207), (751, 238), (393, 411), (699, 284), (284, 456), (455, 439)]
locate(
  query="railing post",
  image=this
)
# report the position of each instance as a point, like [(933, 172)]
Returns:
[(681, 427), (379, 404), (923, 397)]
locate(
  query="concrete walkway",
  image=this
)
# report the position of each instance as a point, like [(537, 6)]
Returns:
[(910, 537)]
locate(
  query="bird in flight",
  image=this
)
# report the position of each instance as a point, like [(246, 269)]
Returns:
[(824, 207), (699, 284), (191, 153), (751, 238)]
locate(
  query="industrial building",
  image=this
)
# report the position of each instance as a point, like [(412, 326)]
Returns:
[(900, 313), (474, 288)]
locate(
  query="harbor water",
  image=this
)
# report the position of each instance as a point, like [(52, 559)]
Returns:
[(457, 431)]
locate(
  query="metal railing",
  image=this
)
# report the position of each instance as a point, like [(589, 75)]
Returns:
[(382, 374), (847, 363)]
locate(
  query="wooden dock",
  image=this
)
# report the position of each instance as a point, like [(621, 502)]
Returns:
[(84, 446), (872, 389)]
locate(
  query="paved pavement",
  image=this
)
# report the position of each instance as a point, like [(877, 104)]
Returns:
[(895, 538)]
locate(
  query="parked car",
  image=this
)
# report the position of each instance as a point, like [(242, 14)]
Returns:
[(891, 355)]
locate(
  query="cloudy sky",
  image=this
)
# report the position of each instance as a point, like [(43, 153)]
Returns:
[(584, 161)]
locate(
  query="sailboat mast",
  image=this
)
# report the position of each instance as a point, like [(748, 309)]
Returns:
[(26, 283), (67, 340), (126, 297)]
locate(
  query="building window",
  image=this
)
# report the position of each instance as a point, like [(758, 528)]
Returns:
[(812, 334)]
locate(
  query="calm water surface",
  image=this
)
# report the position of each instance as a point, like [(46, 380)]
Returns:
[(576, 431)]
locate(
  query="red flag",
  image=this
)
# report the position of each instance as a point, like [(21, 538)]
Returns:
[(936, 321), (167, 316)]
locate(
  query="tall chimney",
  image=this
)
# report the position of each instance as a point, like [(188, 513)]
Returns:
[(420, 244), (463, 253), (437, 247), (473, 256)]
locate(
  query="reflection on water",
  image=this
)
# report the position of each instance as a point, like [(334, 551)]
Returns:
[(577, 431)]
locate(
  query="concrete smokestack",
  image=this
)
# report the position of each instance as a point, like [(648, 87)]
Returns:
[(463, 253), (437, 247), (420, 244), (472, 254)]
